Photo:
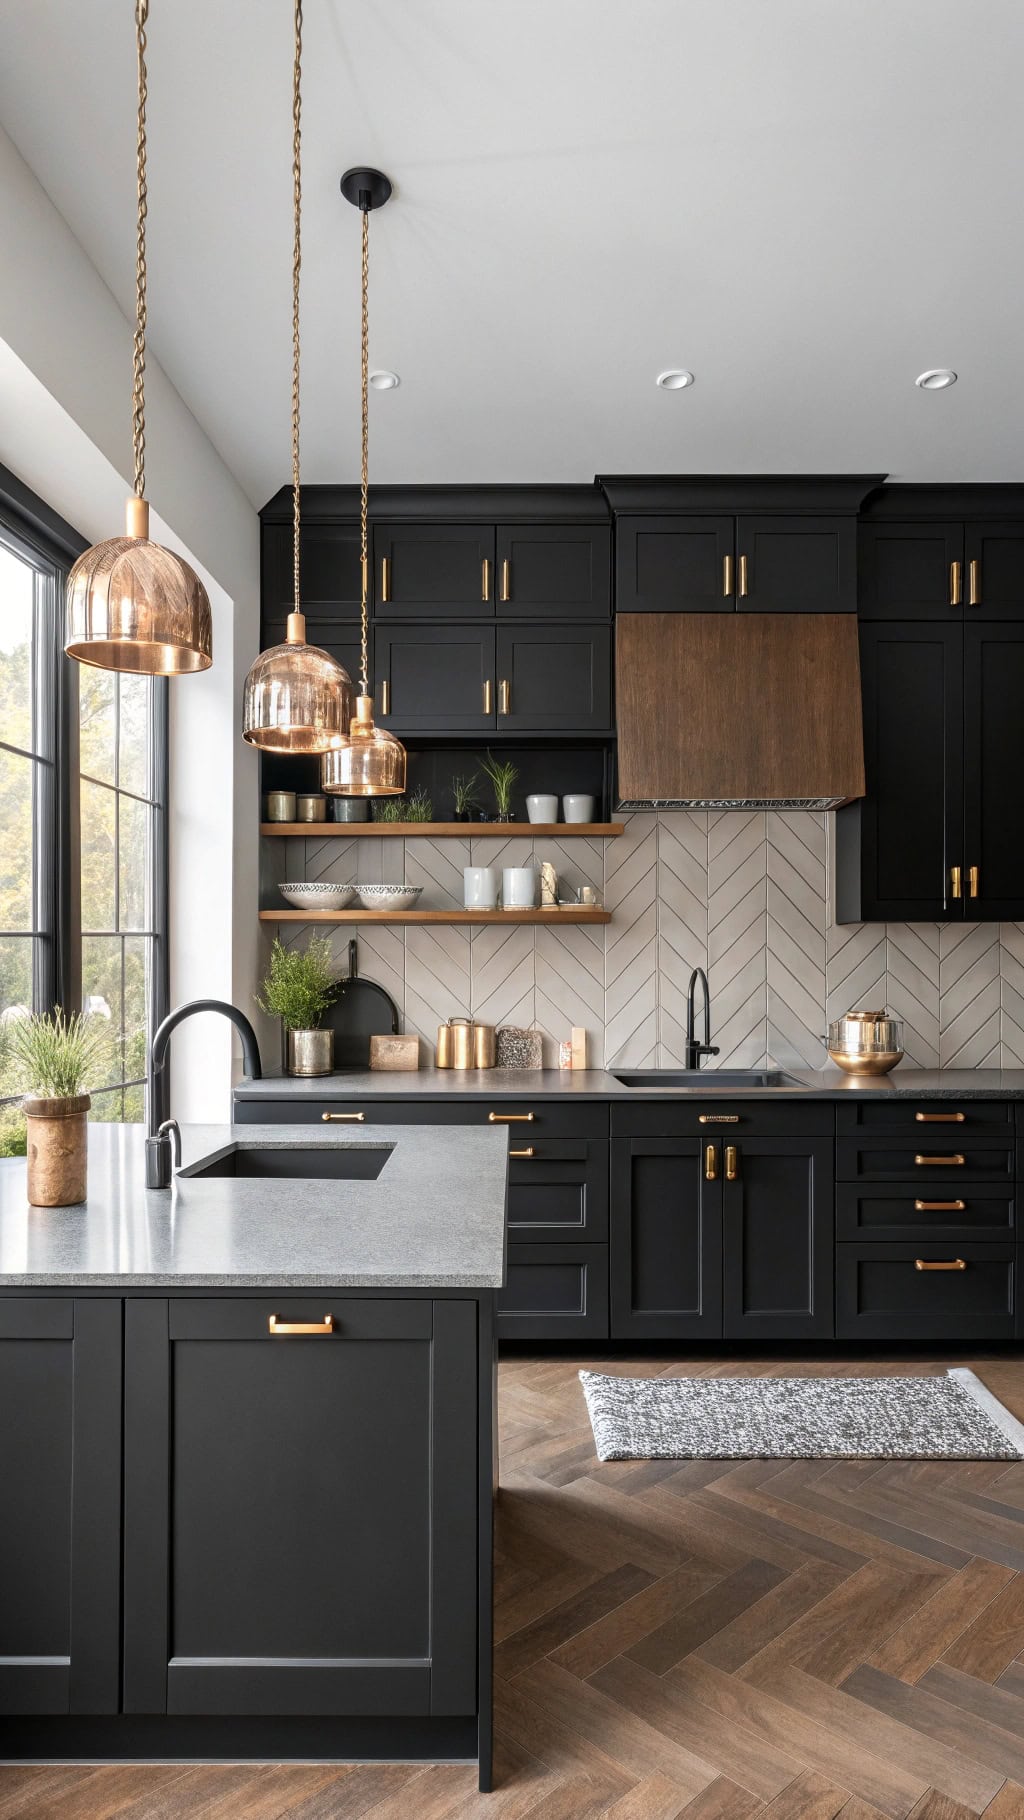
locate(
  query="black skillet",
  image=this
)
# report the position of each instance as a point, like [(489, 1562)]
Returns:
[(361, 1009)]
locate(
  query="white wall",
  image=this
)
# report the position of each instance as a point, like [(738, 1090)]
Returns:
[(65, 378)]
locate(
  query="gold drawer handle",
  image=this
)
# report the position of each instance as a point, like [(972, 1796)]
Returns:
[(526, 1151), (974, 582), (385, 696), (939, 1206), (955, 882), (324, 1326), (488, 698), (485, 578), (940, 1264), (506, 579), (718, 1118), (973, 881), (732, 1163), (711, 1163), (940, 1118), (504, 696), (343, 1118), (743, 575), (956, 583), (385, 575), (511, 1118), (726, 576), (956, 1161)]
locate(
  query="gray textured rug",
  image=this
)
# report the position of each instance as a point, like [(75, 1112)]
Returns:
[(944, 1418)]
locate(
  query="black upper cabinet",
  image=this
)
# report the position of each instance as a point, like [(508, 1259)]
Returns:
[(329, 571), (911, 571), (766, 564), (553, 678), (675, 564), (666, 1240), (556, 571), (993, 585), (993, 843), (777, 1238), (796, 565), (435, 571), (435, 678)]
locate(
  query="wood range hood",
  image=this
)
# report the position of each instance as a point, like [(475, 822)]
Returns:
[(738, 710)]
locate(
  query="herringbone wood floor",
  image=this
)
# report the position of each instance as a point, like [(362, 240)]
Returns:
[(720, 1641)]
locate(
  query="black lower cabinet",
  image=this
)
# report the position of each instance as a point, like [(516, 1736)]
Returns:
[(926, 1291), (554, 1292), (666, 1240), (777, 1239)]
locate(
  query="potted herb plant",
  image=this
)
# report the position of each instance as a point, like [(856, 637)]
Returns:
[(57, 1054), (298, 988), (464, 797), (502, 774)]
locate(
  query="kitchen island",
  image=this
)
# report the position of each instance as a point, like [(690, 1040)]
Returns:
[(247, 1432)]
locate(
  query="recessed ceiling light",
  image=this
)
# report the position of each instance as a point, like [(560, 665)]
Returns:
[(674, 379), (936, 379), (384, 381)]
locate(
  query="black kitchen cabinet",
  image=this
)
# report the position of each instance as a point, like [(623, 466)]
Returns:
[(666, 1239), (60, 1505), (554, 1292), (911, 571), (300, 1508), (485, 679), (757, 564), (796, 565), (675, 564), (330, 575), (558, 1190), (777, 1238), (553, 571), (992, 849), (433, 571), (994, 570), (926, 1291), (435, 678), (553, 678)]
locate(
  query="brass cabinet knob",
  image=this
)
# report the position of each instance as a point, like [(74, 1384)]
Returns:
[(940, 1118), (726, 576), (939, 1206), (974, 582), (743, 589), (506, 579), (956, 583), (732, 1162), (955, 882), (485, 579), (343, 1118), (385, 696), (956, 1161), (710, 1163), (385, 577), (973, 876), (504, 696), (324, 1326), (488, 696), (940, 1264)]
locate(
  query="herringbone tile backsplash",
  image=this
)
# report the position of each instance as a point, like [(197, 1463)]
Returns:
[(747, 897)]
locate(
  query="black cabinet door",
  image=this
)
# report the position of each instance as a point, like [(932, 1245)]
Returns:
[(777, 1239), (994, 570), (559, 570), (675, 565), (60, 1505), (553, 678), (895, 849), (329, 570), (796, 565), (666, 1239), (554, 1292), (300, 1531), (436, 571), (993, 848), (435, 679), (558, 1191), (911, 571)]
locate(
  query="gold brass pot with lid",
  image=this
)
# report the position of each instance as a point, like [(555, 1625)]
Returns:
[(866, 1042)]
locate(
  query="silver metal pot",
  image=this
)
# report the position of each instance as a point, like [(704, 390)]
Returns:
[(866, 1042), (310, 1051)]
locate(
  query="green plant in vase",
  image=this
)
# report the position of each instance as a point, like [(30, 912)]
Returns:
[(388, 809), (419, 808), (501, 774), (464, 791), (298, 987), (58, 1056)]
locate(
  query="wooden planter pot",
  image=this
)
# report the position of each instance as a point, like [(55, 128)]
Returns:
[(57, 1150)]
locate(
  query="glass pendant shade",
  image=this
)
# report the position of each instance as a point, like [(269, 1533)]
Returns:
[(296, 697), (370, 763), (134, 606)]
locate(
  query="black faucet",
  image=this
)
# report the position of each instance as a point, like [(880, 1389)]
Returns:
[(159, 1156), (695, 1050)]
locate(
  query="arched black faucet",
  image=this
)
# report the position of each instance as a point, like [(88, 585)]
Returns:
[(695, 1050), (158, 1140)]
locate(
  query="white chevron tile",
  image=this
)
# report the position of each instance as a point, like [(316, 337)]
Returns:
[(576, 863), (682, 924), (737, 937), (912, 988), (502, 974), (500, 850), (796, 917), (630, 961), (332, 860), (1011, 997), (437, 976), (969, 995), (854, 968), (436, 866), (570, 986)]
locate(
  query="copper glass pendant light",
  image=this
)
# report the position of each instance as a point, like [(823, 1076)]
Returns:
[(296, 697), (372, 761), (131, 604)]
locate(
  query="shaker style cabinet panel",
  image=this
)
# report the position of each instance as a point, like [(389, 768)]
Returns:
[(666, 1240), (434, 678), (777, 1239), (993, 843), (561, 571), (796, 565), (911, 571), (330, 583), (675, 565), (435, 571), (553, 678), (60, 1505), (554, 1292), (994, 570)]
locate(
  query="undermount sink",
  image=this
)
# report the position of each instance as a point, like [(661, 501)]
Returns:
[(295, 1162), (666, 1079)]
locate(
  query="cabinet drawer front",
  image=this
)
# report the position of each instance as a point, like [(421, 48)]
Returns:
[(525, 1119), (922, 1211), (716, 1118), (938, 1161), (554, 1292), (558, 1190), (882, 1294), (249, 1318), (931, 1123)]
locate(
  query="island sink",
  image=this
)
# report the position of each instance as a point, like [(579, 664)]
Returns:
[(296, 1162)]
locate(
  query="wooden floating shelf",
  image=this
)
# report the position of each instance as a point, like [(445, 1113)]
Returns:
[(442, 830), (574, 913)]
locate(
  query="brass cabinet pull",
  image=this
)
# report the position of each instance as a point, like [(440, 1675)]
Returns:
[(732, 1162), (955, 885), (940, 1118), (488, 699), (526, 1151), (343, 1118), (956, 1161), (743, 575), (972, 881), (385, 697), (504, 696), (711, 1163), (485, 579), (974, 582), (940, 1264), (956, 583), (324, 1326), (939, 1206), (727, 576), (718, 1118), (506, 579), (511, 1118), (385, 576)]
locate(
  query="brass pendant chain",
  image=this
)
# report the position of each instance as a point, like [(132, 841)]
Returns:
[(296, 269), (364, 552), (139, 346)]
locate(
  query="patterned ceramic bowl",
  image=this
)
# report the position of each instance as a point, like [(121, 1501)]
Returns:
[(388, 897), (317, 896)]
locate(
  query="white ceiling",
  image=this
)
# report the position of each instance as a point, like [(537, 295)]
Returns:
[(807, 202)]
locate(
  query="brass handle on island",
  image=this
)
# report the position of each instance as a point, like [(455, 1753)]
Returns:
[(343, 1118), (940, 1264), (526, 1151), (511, 1118), (956, 1161), (324, 1326), (940, 1118)]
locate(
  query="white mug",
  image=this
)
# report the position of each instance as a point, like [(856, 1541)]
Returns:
[(480, 887), (518, 888), (542, 808), (578, 808)]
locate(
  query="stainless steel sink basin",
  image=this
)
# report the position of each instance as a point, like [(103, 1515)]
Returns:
[(293, 1162), (666, 1079)]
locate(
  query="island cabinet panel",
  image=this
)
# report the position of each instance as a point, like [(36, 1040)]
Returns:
[(561, 571), (60, 1505), (666, 1240), (438, 571), (300, 1508), (558, 1116), (777, 1238)]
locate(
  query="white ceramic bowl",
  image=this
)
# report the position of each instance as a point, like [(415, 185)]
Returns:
[(317, 896), (388, 897)]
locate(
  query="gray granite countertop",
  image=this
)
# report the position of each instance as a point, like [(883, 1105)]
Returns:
[(598, 1083), (433, 1219)]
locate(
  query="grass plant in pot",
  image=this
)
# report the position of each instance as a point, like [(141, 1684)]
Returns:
[(56, 1055), (502, 774), (298, 988)]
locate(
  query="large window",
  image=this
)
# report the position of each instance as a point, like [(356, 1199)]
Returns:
[(29, 961)]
